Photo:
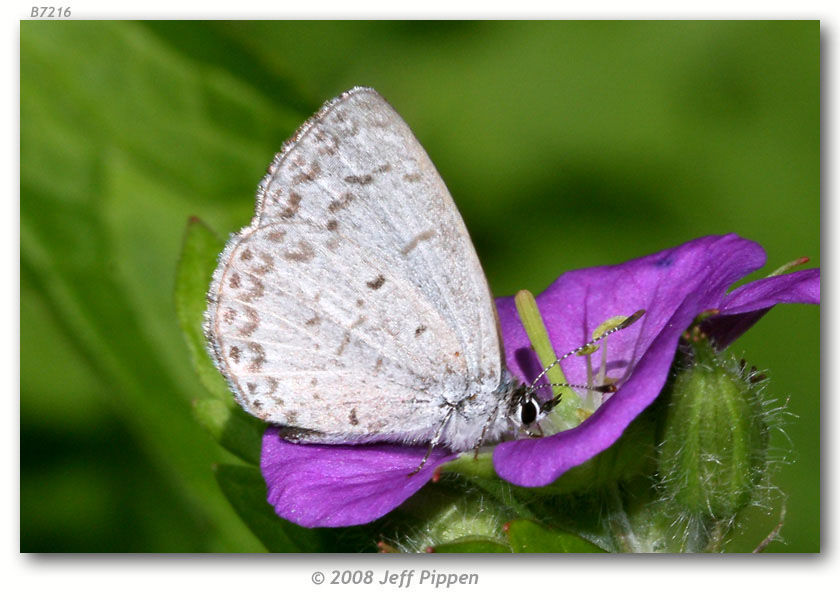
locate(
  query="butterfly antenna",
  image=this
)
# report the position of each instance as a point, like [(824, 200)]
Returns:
[(604, 389), (623, 325), (547, 407)]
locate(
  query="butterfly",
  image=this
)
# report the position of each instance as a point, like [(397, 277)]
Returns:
[(353, 308)]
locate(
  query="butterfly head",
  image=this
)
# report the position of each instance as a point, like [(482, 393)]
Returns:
[(525, 407)]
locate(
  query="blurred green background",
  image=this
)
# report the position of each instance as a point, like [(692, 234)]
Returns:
[(565, 145)]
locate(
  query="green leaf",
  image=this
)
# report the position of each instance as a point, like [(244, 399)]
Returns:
[(472, 545), (528, 536), (232, 427), (199, 254), (245, 488), (131, 150)]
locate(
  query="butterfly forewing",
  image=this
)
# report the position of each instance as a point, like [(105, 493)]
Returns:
[(354, 305)]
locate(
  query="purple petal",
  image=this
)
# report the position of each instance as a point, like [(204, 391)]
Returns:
[(673, 286), (338, 486), (742, 308), (801, 286)]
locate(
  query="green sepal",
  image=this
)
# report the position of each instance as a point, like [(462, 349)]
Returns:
[(474, 544), (528, 536), (236, 430), (199, 254)]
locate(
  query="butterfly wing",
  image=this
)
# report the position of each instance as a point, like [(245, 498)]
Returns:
[(354, 305)]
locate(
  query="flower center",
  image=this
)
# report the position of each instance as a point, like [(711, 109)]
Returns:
[(573, 409)]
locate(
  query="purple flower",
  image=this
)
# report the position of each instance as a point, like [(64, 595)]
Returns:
[(332, 486)]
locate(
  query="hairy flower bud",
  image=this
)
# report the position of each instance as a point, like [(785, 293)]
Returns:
[(714, 442)]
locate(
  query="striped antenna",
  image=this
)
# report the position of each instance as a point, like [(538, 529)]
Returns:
[(623, 325)]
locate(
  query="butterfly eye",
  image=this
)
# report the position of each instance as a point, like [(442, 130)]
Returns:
[(528, 411)]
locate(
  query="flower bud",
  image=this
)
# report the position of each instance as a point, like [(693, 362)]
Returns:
[(713, 446)]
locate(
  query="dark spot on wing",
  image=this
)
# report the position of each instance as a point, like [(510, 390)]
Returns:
[(234, 281), (304, 253), (347, 336), (229, 316), (310, 175), (343, 344), (332, 225), (292, 207), (383, 168), (253, 322), (419, 330), (246, 255), (360, 302), (277, 235), (235, 353), (359, 179), (267, 264), (329, 143), (276, 194), (313, 321), (420, 237), (353, 419), (257, 289), (336, 205), (272, 390), (252, 387), (412, 177), (258, 358), (376, 283)]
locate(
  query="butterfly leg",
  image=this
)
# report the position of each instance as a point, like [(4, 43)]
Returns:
[(435, 439), (491, 420)]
